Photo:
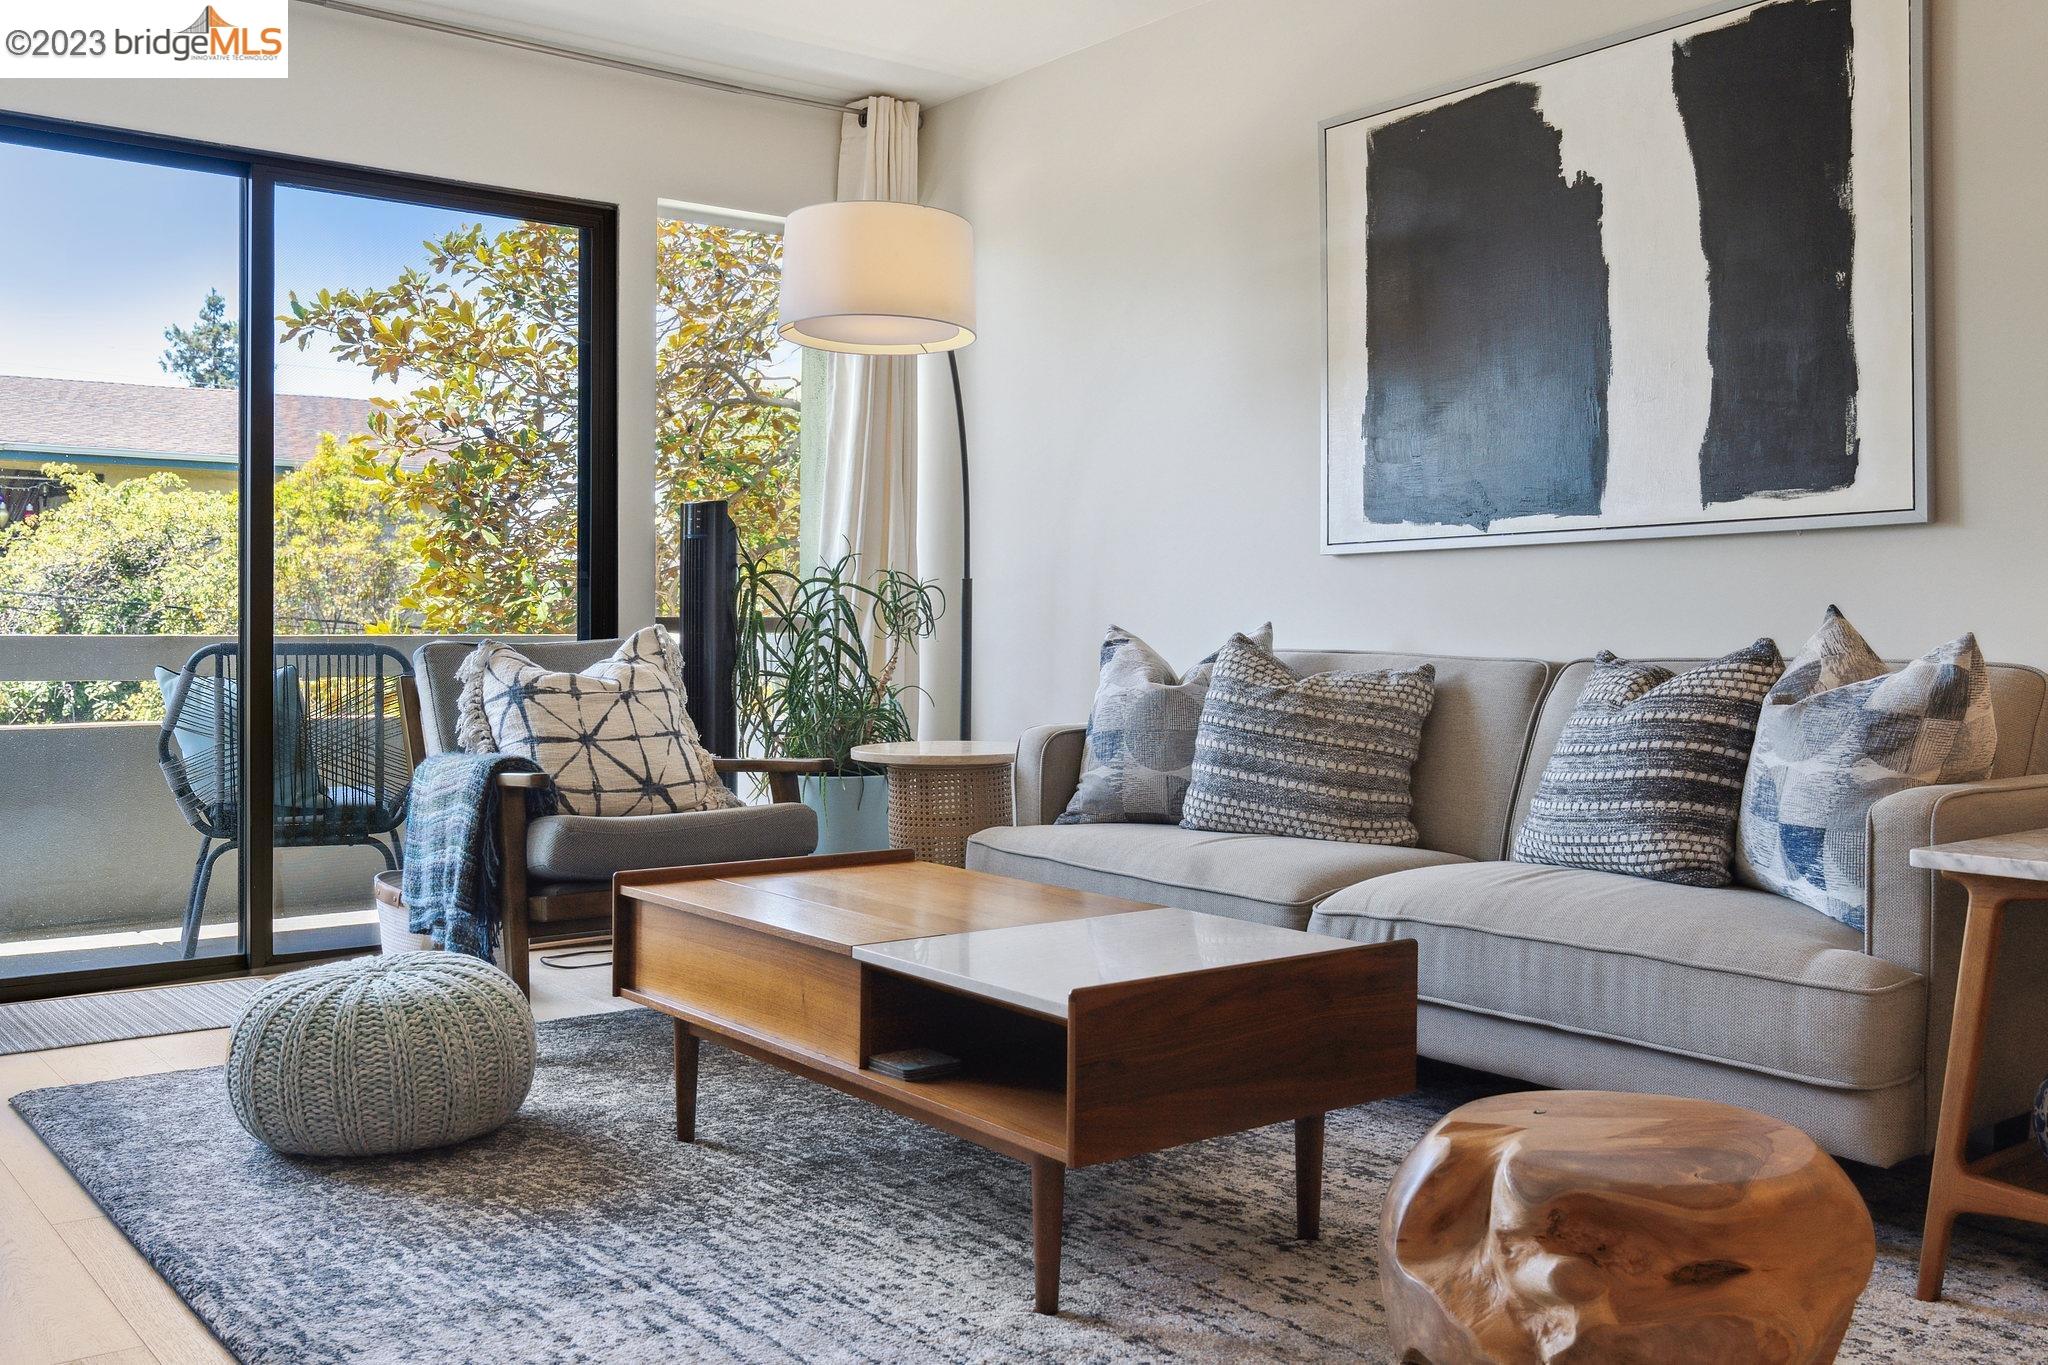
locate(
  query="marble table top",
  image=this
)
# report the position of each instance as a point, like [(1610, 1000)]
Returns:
[(2020, 856), (1037, 966)]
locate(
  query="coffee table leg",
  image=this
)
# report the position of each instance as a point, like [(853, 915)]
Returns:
[(1308, 1177), (1048, 1207), (686, 1083)]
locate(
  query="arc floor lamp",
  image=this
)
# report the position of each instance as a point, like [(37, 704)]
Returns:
[(871, 277)]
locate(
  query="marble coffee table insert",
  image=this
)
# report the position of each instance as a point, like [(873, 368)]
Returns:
[(1038, 967)]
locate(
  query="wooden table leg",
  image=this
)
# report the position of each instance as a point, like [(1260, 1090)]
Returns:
[(686, 1083), (1308, 1177), (1959, 1088), (1048, 1207)]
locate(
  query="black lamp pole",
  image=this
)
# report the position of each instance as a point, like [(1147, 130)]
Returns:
[(966, 560)]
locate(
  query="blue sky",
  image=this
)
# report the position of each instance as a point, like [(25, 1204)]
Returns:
[(98, 256)]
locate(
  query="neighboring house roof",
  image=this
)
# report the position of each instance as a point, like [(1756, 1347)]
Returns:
[(157, 423)]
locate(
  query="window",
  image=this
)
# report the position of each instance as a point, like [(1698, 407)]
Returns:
[(729, 392), (427, 425), (413, 437)]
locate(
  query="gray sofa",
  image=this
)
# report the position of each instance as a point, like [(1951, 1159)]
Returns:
[(1591, 980)]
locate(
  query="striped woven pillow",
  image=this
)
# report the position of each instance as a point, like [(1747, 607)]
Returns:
[(1324, 757), (1646, 778)]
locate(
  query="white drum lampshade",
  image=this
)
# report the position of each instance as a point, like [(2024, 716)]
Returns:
[(877, 278)]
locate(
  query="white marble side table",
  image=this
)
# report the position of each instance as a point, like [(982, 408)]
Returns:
[(2012, 1183), (942, 792)]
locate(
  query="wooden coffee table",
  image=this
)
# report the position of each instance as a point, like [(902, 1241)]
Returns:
[(1090, 1028)]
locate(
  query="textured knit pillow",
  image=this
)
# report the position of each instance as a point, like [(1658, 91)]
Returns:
[(1647, 777), (1324, 757), (1840, 731), (615, 737), (1141, 734)]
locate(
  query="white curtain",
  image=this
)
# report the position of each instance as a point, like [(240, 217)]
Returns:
[(866, 492)]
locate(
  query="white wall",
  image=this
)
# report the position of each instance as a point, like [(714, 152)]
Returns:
[(1143, 401), (397, 98)]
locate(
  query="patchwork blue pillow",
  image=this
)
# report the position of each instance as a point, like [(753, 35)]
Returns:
[(1839, 732)]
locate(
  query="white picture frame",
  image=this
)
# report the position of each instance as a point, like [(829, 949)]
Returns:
[(1889, 284)]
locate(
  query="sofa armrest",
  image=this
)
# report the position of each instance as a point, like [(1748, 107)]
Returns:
[(1048, 770), (1914, 917), (1901, 920)]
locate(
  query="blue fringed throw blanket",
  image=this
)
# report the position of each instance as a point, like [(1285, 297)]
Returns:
[(453, 865)]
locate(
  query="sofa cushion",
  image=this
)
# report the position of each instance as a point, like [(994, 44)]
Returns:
[(1728, 974), (1647, 777), (589, 848), (1840, 732), (1260, 877), (1472, 744), (615, 738), (1141, 734), (1322, 757)]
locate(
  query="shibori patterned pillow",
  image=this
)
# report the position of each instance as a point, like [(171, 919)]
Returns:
[(615, 738)]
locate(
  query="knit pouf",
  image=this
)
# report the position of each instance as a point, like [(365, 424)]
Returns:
[(382, 1054)]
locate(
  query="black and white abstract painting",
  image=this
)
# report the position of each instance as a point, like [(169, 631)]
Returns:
[(1666, 286)]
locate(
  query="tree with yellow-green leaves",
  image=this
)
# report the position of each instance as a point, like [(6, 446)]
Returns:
[(156, 556), (456, 511), (480, 453), (726, 425)]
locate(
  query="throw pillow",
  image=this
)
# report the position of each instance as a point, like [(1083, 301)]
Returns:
[(1141, 734), (1839, 732), (1646, 778), (1323, 757), (614, 738)]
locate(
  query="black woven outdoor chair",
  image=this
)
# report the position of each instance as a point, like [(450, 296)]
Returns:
[(343, 773)]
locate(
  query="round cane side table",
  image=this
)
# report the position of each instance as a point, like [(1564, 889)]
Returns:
[(941, 791)]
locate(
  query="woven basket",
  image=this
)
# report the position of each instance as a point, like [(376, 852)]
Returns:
[(392, 934)]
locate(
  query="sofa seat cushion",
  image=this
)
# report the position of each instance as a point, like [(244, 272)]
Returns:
[(1723, 973), (1267, 878), (589, 848)]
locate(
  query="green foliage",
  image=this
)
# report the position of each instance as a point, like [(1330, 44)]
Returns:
[(344, 561), (725, 428), (807, 684), (479, 456), (456, 512), (148, 556), (209, 356), (156, 556)]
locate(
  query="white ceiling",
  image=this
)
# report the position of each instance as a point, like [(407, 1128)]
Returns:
[(926, 50)]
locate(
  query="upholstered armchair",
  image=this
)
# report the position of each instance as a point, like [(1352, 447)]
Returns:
[(558, 868)]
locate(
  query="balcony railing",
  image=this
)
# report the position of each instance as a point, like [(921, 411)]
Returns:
[(97, 856)]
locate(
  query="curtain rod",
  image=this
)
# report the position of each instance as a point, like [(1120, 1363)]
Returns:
[(577, 55)]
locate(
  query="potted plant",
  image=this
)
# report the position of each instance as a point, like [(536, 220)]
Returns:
[(816, 676)]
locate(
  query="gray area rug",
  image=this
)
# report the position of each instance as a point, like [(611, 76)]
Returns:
[(806, 1226), (72, 1020)]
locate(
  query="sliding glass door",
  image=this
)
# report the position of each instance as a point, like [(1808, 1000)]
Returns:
[(120, 446), (259, 408), (427, 436)]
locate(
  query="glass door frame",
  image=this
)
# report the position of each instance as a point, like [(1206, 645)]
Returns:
[(261, 175)]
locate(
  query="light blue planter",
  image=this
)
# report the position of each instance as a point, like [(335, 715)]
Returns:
[(853, 812)]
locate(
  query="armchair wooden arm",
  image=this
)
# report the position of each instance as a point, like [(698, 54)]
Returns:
[(782, 772)]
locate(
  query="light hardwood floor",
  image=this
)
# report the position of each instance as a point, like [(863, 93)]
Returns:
[(71, 1288)]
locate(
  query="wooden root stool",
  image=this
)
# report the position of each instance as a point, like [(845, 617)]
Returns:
[(1582, 1226)]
